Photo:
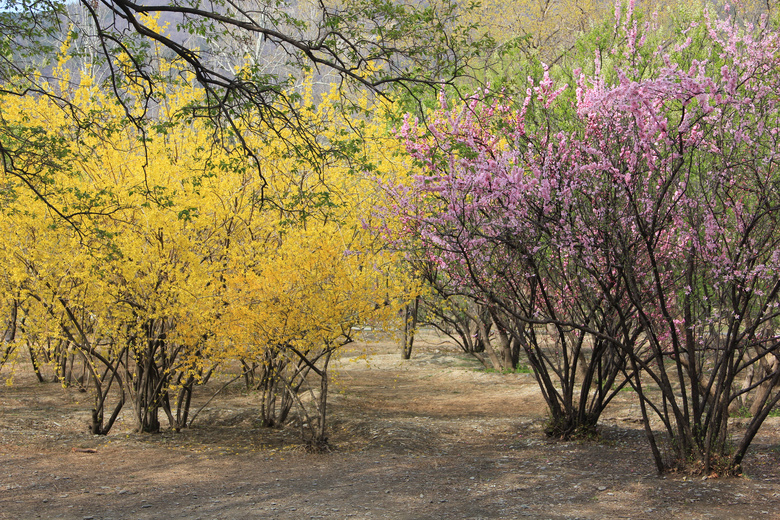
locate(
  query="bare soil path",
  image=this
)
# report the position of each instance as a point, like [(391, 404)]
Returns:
[(430, 438)]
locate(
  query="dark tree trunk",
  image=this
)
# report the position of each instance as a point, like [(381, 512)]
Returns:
[(409, 327)]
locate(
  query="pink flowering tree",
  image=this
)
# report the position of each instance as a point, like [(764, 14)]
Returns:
[(634, 241), (481, 220)]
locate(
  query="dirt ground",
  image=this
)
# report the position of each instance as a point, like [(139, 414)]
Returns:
[(429, 438)]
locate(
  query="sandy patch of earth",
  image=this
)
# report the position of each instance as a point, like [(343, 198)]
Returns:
[(427, 438)]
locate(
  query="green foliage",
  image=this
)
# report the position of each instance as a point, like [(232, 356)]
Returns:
[(520, 369), (744, 412)]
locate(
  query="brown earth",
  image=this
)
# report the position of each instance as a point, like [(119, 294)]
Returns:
[(428, 438)]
